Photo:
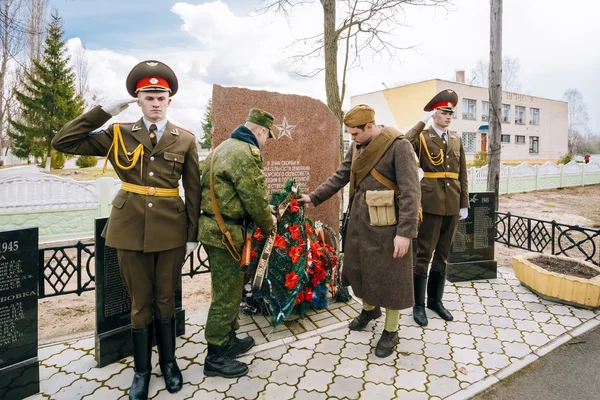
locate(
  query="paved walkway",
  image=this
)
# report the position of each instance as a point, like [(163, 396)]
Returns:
[(499, 328)]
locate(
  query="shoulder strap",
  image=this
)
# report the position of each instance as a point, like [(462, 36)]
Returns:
[(226, 238), (385, 181), (352, 176)]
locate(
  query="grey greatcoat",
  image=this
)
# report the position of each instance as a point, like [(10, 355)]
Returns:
[(369, 266)]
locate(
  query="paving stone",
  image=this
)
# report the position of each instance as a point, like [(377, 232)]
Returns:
[(451, 297), (332, 346), (461, 340), (411, 332), (487, 293), (313, 380), (297, 356), (341, 315), (407, 320), (519, 314), (502, 322), (517, 350), (458, 327), (323, 362), (528, 326), (410, 346), (81, 366), (199, 337), (363, 337), (509, 335), (103, 374), (197, 319), (191, 350), (77, 390), (377, 391), (247, 388), (477, 319), (272, 336), (275, 353), (543, 317), (470, 373), (494, 361), (57, 382), (204, 394), (474, 308), (430, 336), (216, 383), (261, 321), (380, 374), (338, 334), (496, 311), (560, 310), (536, 307), (351, 367), (568, 321), (465, 356), (345, 388), (442, 386), (491, 302), (459, 316), (435, 322), (489, 346), (288, 374), (260, 368), (467, 292), (514, 304), (411, 380), (64, 358), (434, 350), (535, 339), (44, 353), (309, 344), (104, 393), (440, 367), (373, 359), (84, 344), (507, 296), (280, 392), (553, 329), (360, 351), (46, 372), (481, 285), (194, 374), (411, 362), (583, 314), (453, 305), (501, 287), (528, 298), (259, 338), (470, 300), (156, 385), (413, 395), (304, 395)]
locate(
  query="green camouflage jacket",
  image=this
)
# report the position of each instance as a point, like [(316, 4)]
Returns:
[(240, 189)]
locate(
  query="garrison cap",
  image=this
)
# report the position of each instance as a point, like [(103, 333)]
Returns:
[(445, 100), (262, 118), (151, 75), (359, 115)]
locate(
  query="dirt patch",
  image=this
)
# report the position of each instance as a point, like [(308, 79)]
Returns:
[(565, 267)]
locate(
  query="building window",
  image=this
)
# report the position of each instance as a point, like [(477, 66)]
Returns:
[(520, 115), (506, 113), (520, 139), (485, 110), (469, 109), (534, 116), (534, 144), (505, 138), (468, 140)]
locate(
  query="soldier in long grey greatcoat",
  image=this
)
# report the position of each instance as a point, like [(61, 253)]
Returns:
[(384, 205)]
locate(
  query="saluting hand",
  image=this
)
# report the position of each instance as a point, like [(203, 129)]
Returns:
[(401, 245), (118, 106)]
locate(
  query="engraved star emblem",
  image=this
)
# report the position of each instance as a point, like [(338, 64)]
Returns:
[(285, 129)]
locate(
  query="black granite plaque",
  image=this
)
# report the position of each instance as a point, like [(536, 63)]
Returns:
[(113, 305), (472, 255), (19, 368)]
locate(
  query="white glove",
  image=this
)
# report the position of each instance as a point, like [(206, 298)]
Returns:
[(463, 213), (421, 174), (427, 116), (190, 247), (274, 221), (118, 106)]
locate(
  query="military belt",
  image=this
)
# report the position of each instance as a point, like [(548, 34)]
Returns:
[(441, 175), (149, 190), (230, 221)]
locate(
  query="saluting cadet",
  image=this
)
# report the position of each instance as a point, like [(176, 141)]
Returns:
[(444, 198), (150, 225)]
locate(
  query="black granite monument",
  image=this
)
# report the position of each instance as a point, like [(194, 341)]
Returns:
[(113, 305), (472, 255), (19, 367)]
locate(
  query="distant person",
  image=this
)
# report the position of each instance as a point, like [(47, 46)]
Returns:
[(586, 158)]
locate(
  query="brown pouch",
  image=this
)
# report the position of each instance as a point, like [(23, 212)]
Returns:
[(382, 207)]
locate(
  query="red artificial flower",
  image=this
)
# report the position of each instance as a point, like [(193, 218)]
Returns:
[(258, 235), (308, 293), (294, 231), (300, 298), (300, 243), (294, 206), (329, 248), (291, 280), (316, 249), (315, 281), (279, 241), (295, 253), (308, 228), (253, 254), (334, 260)]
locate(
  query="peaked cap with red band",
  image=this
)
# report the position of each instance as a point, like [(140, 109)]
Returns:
[(445, 100), (151, 75)]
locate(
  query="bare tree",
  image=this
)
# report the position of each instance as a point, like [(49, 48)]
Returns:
[(578, 120), (510, 74), (363, 28), (91, 97), (495, 90), (38, 10)]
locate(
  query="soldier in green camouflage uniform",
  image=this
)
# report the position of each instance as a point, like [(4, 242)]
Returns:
[(241, 194)]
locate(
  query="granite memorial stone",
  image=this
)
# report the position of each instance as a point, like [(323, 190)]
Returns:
[(19, 367)]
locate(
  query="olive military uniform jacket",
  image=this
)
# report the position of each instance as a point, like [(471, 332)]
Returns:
[(369, 266), (143, 222), (441, 196), (240, 189)]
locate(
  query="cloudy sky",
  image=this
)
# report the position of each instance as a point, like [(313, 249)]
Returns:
[(227, 43)]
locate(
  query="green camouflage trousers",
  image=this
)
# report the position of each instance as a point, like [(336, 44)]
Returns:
[(227, 286)]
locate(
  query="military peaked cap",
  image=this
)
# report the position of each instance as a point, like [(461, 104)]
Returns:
[(151, 75), (445, 100)]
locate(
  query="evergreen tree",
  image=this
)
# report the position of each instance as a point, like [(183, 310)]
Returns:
[(206, 142), (47, 100)]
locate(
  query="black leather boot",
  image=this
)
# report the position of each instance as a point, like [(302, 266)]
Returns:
[(364, 318), (218, 363), (419, 315), (236, 346), (142, 362), (386, 344), (165, 341), (435, 292)]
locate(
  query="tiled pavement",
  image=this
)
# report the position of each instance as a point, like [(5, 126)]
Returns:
[(499, 328)]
